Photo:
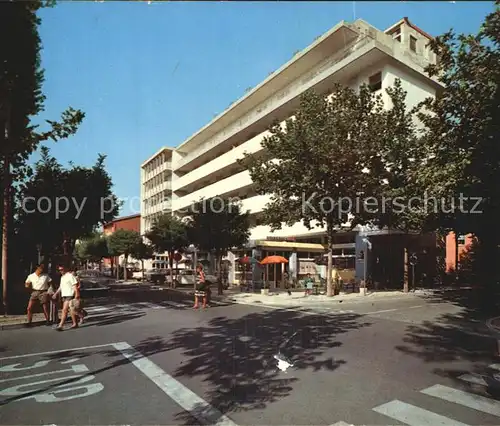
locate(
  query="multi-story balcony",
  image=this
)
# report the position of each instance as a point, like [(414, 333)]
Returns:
[(231, 185), (164, 186), (285, 100), (157, 170), (339, 57), (225, 162)]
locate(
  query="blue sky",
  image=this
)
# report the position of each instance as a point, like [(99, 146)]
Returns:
[(149, 76)]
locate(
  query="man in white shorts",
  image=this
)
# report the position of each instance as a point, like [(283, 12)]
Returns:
[(38, 282), (67, 289)]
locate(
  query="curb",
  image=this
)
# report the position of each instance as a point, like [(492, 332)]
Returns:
[(20, 325)]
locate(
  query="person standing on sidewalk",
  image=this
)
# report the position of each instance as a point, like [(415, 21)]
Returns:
[(203, 289), (38, 282)]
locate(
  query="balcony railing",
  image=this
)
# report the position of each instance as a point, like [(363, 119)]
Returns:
[(282, 97), (157, 170)]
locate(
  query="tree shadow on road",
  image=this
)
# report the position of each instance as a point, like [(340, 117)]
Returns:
[(234, 357), (453, 337)]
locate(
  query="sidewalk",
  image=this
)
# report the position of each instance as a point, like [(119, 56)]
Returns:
[(17, 321), (282, 298)]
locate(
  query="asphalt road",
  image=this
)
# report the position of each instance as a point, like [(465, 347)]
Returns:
[(147, 358)]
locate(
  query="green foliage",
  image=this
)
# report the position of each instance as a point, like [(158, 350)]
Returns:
[(462, 153), (123, 241), (142, 251), (77, 190), (21, 80), (218, 225), (168, 234), (93, 249)]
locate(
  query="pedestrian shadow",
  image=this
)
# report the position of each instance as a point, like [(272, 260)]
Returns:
[(235, 356)]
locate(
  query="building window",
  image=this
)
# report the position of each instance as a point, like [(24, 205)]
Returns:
[(413, 43), (375, 82), (461, 239)]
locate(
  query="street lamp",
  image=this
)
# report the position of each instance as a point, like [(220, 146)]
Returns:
[(193, 249), (368, 245)]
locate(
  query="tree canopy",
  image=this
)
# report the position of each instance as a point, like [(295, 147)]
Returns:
[(124, 242), (59, 204), (326, 161), (168, 234), (93, 249), (462, 154), (218, 225)]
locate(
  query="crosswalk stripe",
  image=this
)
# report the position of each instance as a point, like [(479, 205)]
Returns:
[(96, 309), (473, 378), (476, 402), (414, 416), (175, 304), (342, 424), (148, 305), (494, 366)]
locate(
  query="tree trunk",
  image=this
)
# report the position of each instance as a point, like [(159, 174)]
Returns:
[(329, 283), (171, 264), (5, 227), (405, 273), (125, 267), (117, 267), (142, 268), (457, 261), (219, 275)]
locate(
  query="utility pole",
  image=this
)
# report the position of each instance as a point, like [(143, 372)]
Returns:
[(4, 142)]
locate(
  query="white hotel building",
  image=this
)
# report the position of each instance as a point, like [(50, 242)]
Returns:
[(205, 165)]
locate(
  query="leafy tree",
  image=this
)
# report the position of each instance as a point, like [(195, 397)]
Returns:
[(93, 249), (168, 234), (142, 251), (124, 241), (21, 99), (316, 164), (217, 226), (462, 154), (75, 196)]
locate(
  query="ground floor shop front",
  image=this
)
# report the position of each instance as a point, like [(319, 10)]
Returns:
[(382, 259)]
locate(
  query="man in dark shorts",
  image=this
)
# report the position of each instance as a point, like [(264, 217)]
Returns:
[(68, 290), (38, 282)]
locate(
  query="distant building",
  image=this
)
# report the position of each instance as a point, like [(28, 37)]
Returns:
[(132, 223)]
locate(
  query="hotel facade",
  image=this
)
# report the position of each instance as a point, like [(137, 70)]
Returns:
[(205, 165)]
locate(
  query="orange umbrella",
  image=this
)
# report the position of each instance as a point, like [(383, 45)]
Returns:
[(272, 260)]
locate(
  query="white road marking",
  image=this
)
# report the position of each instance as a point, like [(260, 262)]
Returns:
[(476, 402), (188, 400), (494, 366), (80, 368), (473, 378), (342, 424), (83, 348), (176, 305), (414, 416), (380, 312), (96, 309)]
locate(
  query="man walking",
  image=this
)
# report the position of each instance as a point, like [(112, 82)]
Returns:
[(68, 290), (38, 282)]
